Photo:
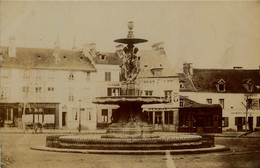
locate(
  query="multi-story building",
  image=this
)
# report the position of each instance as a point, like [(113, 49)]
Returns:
[(47, 86), (228, 87)]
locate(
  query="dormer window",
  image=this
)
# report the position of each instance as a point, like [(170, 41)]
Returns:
[(71, 76), (157, 71), (221, 85), (249, 86), (102, 57)]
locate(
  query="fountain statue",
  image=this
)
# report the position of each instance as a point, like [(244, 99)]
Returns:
[(129, 120)]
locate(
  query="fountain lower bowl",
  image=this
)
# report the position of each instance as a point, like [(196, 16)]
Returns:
[(101, 142)]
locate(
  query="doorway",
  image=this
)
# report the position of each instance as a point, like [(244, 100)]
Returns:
[(64, 119)]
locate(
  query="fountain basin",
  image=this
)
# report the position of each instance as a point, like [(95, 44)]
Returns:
[(156, 142)]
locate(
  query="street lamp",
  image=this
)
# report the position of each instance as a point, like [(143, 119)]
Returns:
[(79, 115)]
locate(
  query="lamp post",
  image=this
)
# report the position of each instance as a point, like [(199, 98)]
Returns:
[(79, 115)]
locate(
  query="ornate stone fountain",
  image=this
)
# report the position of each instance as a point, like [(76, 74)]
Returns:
[(129, 129)]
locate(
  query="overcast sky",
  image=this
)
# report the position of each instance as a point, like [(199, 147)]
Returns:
[(207, 34)]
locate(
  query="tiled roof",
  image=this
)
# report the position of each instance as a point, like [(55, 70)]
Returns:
[(153, 59), (109, 59), (205, 80), (193, 104), (43, 58)]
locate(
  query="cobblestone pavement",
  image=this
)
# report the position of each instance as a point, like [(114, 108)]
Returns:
[(245, 152)]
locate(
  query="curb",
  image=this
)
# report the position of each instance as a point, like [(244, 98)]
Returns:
[(217, 148)]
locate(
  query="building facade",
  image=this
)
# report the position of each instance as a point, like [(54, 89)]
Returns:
[(49, 86), (228, 87)]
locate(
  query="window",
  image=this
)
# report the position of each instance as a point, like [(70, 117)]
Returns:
[(89, 115), (221, 85), (107, 76), (221, 102), (168, 95), (3, 95), (209, 101), (240, 120), (88, 76), (181, 103), (113, 91), (258, 121), (224, 121), (5, 73), (50, 89), (71, 76), (25, 89), (250, 87), (38, 75), (104, 116), (75, 114), (168, 117), (181, 85), (148, 93), (38, 89), (71, 97)]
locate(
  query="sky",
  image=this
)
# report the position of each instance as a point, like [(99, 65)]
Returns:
[(207, 34)]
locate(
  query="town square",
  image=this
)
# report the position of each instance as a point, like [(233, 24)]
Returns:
[(114, 84)]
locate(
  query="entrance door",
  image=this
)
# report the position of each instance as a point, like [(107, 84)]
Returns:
[(64, 118), (250, 123), (158, 118)]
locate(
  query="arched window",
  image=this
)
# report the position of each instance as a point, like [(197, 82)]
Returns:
[(71, 76)]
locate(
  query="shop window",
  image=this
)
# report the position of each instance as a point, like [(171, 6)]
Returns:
[(240, 120), (107, 76), (258, 121), (222, 103), (209, 101), (148, 93), (225, 122), (158, 117), (104, 115), (168, 117), (168, 95)]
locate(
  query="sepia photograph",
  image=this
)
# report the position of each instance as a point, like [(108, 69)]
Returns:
[(134, 84)]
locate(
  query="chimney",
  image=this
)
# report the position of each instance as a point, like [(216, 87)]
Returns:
[(74, 48), (159, 47), (56, 52), (93, 48), (187, 69), (12, 47), (237, 67)]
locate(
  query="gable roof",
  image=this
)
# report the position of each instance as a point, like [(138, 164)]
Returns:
[(110, 58), (205, 80), (153, 59), (43, 58)]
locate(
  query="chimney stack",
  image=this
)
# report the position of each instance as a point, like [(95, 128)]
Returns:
[(12, 47), (56, 52), (187, 69)]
